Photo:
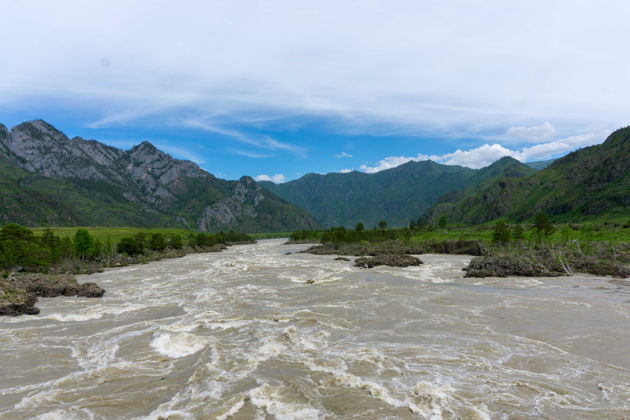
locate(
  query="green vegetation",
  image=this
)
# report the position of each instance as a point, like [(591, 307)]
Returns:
[(544, 232), (39, 249), (540, 249), (61, 182), (589, 185)]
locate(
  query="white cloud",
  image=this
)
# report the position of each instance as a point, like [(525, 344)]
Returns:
[(247, 153), (532, 134), (448, 66), (343, 155), (486, 154), (277, 178), (391, 162), (345, 171)]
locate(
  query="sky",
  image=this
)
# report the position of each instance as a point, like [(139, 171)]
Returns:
[(278, 89)]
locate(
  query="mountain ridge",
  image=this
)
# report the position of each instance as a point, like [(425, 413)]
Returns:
[(397, 195), (144, 180), (588, 182)]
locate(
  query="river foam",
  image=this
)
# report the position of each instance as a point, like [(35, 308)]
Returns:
[(255, 333)]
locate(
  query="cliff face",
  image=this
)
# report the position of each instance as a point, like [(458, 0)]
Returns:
[(141, 180)]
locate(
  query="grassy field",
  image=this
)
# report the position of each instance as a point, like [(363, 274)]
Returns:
[(606, 232), (271, 235), (603, 232), (113, 233)]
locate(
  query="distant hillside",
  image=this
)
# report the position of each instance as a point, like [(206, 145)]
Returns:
[(49, 179), (397, 195), (504, 168), (542, 164), (591, 181)]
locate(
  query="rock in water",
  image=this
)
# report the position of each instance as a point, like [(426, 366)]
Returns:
[(391, 260), (51, 285), (513, 265), (14, 302)]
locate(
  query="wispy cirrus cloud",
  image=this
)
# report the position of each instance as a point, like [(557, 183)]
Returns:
[(363, 68), (262, 142), (247, 153), (343, 155)]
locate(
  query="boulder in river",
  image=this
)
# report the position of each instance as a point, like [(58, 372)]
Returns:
[(51, 285), (391, 260), (513, 265), (14, 301)]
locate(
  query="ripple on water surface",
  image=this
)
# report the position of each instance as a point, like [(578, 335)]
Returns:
[(253, 332)]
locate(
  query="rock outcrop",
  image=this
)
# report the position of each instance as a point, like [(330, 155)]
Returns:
[(14, 301), (52, 285), (19, 291), (390, 260), (512, 265)]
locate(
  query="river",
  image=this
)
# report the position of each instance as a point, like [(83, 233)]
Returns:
[(255, 332)]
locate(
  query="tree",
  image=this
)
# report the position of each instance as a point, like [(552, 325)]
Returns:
[(129, 246), (360, 227), (518, 234), (13, 231), (141, 240), (501, 234), (442, 222), (382, 225), (413, 225), (51, 242), (82, 243), (157, 242), (176, 242), (543, 225)]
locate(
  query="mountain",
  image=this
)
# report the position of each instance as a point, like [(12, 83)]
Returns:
[(49, 179), (397, 195), (592, 181), (506, 167), (541, 164)]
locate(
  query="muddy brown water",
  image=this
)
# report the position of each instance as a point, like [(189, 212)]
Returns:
[(241, 334)]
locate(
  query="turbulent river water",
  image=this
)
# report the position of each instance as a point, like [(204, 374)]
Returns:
[(254, 332)]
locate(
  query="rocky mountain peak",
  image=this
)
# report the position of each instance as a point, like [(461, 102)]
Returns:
[(247, 180), (38, 130)]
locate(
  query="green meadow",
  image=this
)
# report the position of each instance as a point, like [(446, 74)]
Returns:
[(114, 234)]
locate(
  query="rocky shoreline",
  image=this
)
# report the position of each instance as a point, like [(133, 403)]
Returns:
[(518, 261), (395, 247), (20, 290)]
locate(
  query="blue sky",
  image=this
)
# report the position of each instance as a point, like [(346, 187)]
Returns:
[(278, 89)]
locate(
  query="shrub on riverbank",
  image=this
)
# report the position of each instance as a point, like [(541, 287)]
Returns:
[(21, 248)]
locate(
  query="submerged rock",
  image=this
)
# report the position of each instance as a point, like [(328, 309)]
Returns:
[(14, 301), (51, 285), (387, 259), (342, 259)]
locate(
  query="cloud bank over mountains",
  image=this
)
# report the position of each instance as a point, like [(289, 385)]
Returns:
[(484, 155), (525, 79)]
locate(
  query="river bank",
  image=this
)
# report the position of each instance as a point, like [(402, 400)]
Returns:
[(526, 260), (20, 290)]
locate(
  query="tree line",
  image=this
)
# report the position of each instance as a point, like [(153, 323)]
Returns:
[(19, 246)]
